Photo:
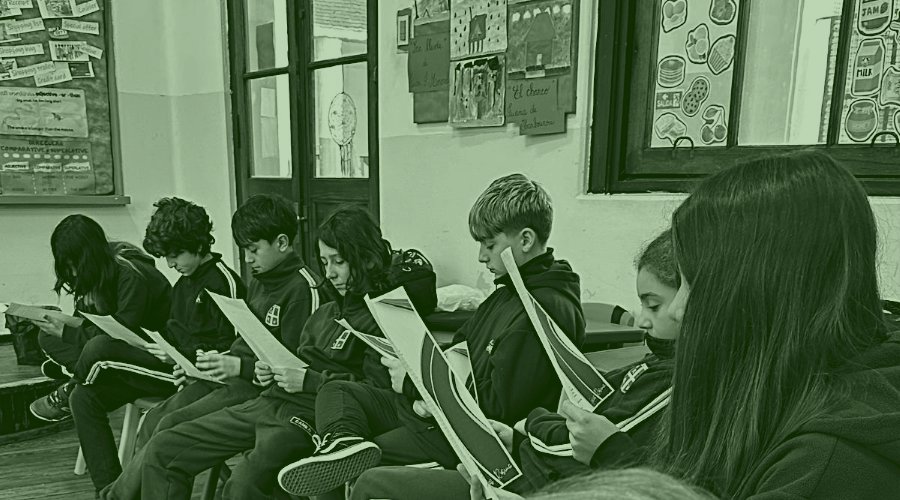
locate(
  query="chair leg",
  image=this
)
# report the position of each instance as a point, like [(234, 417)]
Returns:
[(129, 431), (80, 466), (212, 482)]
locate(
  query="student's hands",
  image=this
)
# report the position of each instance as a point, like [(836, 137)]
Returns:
[(154, 349), (290, 379), (587, 431), (262, 373), (397, 371), (421, 409), (476, 489), (181, 379), (219, 366), (504, 432), (50, 326)]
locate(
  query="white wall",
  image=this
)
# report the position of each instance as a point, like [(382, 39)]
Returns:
[(598, 234), (172, 111)]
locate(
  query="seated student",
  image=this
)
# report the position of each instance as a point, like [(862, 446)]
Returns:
[(283, 293), (513, 212), (277, 427), (787, 382), (106, 278), (595, 441)]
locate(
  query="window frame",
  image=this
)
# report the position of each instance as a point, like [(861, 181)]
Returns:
[(621, 160)]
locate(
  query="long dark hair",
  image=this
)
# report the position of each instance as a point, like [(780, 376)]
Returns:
[(779, 254), (352, 231), (82, 257)]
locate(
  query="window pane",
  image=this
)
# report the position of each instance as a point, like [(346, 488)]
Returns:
[(789, 75), (266, 34), (339, 28), (270, 129), (342, 126), (872, 94), (694, 67)]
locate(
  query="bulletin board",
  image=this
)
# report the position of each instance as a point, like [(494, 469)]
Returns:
[(58, 116)]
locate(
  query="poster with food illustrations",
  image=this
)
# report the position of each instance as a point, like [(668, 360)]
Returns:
[(871, 100), (694, 71)]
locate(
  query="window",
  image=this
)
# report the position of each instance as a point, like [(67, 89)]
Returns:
[(686, 87)]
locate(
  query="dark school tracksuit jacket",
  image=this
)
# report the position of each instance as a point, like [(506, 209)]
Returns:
[(637, 386), (336, 354), (195, 322), (141, 299), (511, 370), (283, 298), (853, 449)]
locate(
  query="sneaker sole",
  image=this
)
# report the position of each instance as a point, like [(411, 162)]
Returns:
[(316, 475), (53, 371), (46, 419)]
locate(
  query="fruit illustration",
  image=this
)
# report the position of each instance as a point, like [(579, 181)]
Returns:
[(697, 44), (722, 12), (674, 14), (714, 129)]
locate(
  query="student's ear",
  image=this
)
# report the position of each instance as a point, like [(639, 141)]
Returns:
[(528, 239), (283, 242)]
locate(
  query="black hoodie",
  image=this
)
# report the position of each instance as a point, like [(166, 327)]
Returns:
[(141, 298), (853, 450), (282, 298)]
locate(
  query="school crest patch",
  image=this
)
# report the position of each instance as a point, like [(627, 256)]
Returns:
[(273, 316), (632, 375)]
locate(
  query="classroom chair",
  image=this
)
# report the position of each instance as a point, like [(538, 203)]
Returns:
[(134, 413), (609, 313)]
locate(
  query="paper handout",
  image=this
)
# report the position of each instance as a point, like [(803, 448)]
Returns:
[(38, 314), (266, 347), (583, 384), (189, 368), (455, 410), (381, 345), (116, 330)]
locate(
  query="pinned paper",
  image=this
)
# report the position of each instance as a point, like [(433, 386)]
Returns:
[(92, 51), (7, 66), (59, 74), (31, 49), (17, 4), (52, 9), (88, 27), (81, 69), (26, 71), (429, 58), (86, 8), (9, 12), (533, 104), (68, 51), (6, 35), (25, 26)]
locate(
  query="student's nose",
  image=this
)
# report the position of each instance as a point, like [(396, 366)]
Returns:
[(643, 321), (170, 262), (248, 258), (330, 272), (483, 256)]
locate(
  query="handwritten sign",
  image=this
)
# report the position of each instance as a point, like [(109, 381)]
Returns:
[(428, 63), (533, 104)]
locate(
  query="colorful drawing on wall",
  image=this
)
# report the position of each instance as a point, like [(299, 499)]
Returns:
[(697, 44), (722, 12), (721, 54), (715, 127), (862, 120), (540, 37), (867, 67), (674, 14), (670, 72), (890, 87), (669, 127), (477, 27), (477, 92), (342, 126), (431, 8), (874, 16), (695, 96)]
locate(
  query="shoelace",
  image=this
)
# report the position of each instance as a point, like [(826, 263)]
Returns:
[(55, 400), (320, 441)]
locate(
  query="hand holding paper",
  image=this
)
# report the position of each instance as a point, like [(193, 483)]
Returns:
[(159, 352), (219, 366), (587, 431), (290, 379), (262, 373), (40, 314), (172, 353), (397, 372), (381, 345), (50, 326)]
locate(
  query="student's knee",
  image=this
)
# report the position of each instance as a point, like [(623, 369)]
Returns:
[(83, 400), (158, 449), (98, 348), (374, 483), (251, 478)]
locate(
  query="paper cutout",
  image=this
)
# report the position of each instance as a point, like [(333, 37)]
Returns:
[(722, 12), (68, 51), (16, 4), (890, 86), (477, 92), (404, 27), (670, 72), (721, 54), (86, 8), (695, 96), (189, 368), (7, 66), (59, 74), (116, 330), (867, 67), (583, 384), (38, 313), (25, 26), (7, 33), (91, 51), (30, 49), (669, 126), (9, 12), (540, 37), (81, 69), (533, 104), (88, 27), (669, 100), (874, 16), (697, 44), (456, 412), (715, 128), (429, 58), (674, 14), (861, 120), (52, 9), (266, 347), (477, 28)]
